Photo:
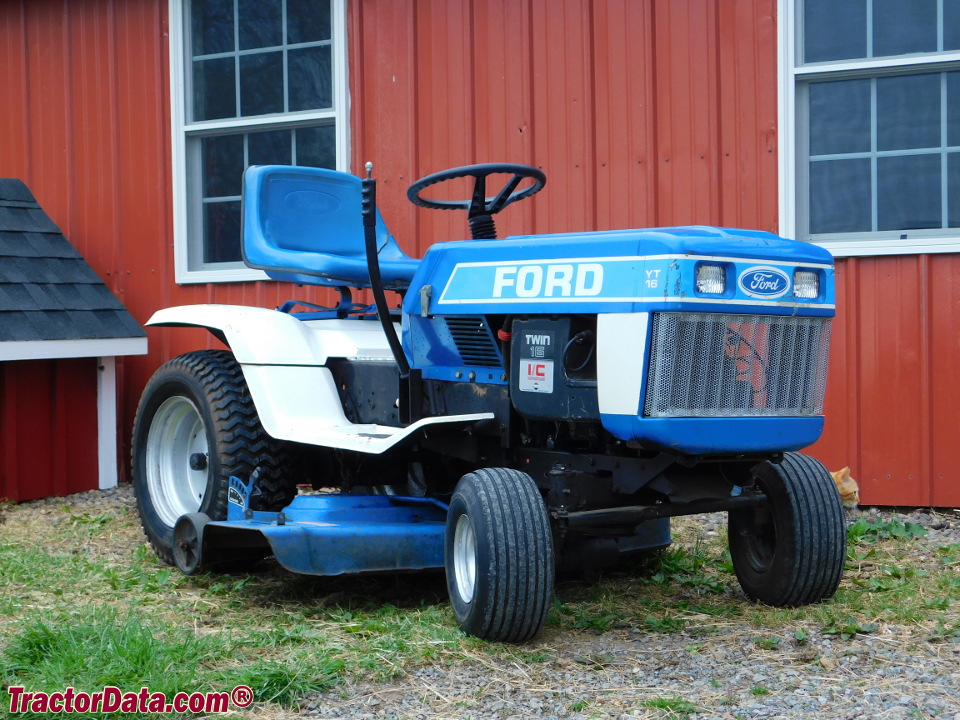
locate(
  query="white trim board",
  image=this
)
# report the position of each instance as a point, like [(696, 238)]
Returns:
[(107, 422), (55, 349)]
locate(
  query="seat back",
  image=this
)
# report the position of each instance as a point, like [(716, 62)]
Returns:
[(303, 224)]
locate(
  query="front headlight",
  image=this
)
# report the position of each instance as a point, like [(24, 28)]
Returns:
[(806, 284), (711, 279)]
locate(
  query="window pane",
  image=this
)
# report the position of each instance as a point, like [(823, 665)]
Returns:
[(834, 30), (953, 108), (308, 20), (214, 89), (310, 77), (261, 23), (270, 148), (902, 26), (211, 26), (261, 83), (221, 232), (953, 190), (222, 165), (317, 146), (840, 196), (951, 24), (908, 112), (839, 117), (908, 192)]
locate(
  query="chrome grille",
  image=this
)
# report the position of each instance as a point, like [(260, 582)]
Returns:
[(712, 365)]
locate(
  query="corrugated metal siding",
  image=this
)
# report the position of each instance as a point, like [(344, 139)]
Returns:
[(89, 132), (641, 114), (893, 407), (48, 428)]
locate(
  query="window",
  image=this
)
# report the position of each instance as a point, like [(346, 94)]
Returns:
[(870, 112), (253, 82)]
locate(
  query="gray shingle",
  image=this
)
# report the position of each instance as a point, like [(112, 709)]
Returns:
[(85, 297), (16, 325), (15, 244), (47, 290), (15, 190), (13, 296), (50, 245), (15, 270), (25, 219), (42, 298)]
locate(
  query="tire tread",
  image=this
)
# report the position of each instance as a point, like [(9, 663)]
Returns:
[(241, 443), (520, 576), (811, 535)]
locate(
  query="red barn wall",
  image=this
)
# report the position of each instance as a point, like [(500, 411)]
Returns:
[(48, 428), (893, 392), (641, 114)]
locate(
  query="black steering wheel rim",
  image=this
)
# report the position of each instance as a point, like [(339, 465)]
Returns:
[(479, 204)]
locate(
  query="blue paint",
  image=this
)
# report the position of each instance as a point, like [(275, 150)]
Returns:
[(707, 436), (430, 344), (620, 271), (302, 225), (337, 534)]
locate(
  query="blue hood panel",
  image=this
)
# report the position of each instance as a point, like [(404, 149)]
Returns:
[(620, 271)]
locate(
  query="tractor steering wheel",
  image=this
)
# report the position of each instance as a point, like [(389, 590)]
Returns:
[(479, 207)]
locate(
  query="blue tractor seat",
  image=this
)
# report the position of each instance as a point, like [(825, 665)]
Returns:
[(303, 225)]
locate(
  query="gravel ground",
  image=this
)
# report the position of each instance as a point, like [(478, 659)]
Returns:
[(630, 673), (623, 673)]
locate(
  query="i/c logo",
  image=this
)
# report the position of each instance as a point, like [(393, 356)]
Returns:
[(763, 281), (536, 376)]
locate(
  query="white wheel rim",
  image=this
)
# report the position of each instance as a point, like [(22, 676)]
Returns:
[(176, 433), (465, 558)]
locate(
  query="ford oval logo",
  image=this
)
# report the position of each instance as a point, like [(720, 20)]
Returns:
[(312, 202), (763, 281)]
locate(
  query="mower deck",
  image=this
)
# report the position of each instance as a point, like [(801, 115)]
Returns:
[(333, 534)]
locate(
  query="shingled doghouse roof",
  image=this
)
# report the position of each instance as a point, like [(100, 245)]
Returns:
[(52, 303)]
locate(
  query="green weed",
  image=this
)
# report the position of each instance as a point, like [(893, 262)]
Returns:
[(849, 628), (673, 706), (872, 530), (767, 643)]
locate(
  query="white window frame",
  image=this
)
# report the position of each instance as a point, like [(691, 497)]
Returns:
[(792, 152), (187, 244)]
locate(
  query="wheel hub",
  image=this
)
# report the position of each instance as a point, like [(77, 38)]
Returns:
[(176, 459), (762, 542), (465, 558)]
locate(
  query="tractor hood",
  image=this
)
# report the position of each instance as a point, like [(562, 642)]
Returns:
[(622, 271)]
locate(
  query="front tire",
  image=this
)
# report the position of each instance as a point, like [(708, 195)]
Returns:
[(499, 555), (196, 425), (791, 551)]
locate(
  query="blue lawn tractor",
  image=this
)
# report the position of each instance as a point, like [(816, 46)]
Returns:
[(535, 403)]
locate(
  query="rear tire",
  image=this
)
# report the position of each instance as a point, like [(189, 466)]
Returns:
[(196, 425), (791, 551), (499, 555)]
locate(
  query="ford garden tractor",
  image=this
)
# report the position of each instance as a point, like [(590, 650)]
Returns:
[(533, 404)]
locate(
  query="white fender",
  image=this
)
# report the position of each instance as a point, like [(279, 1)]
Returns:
[(283, 362), (270, 337)]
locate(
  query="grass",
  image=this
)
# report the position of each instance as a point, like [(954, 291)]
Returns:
[(887, 581), (84, 603), (672, 706)]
